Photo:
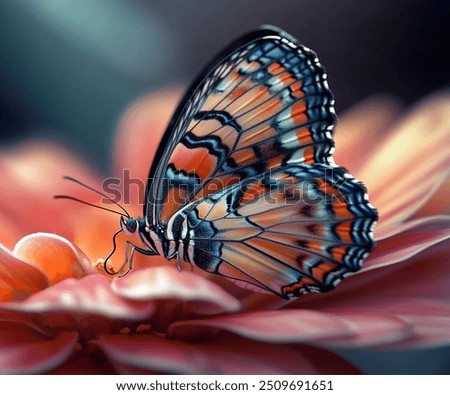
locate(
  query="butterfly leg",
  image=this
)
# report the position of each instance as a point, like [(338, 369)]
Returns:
[(176, 254), (178, 262), (129, 258)]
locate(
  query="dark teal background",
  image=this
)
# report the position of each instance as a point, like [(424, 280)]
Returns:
[(68, 69)]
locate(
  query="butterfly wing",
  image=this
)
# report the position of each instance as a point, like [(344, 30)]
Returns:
[(244, 181), (297, 229), (262, 103)]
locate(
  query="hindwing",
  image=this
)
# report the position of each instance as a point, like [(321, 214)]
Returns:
[(293, 230)]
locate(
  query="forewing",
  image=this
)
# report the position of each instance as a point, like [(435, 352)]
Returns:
[(290, 231), (261, 104)]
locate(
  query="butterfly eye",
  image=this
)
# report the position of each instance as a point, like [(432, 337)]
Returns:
[(130, 225)]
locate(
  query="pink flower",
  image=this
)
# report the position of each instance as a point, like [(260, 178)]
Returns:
[(59, 314)]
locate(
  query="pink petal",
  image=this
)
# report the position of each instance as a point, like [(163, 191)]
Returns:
[(425, 323), (24, 351), (226, 355), (302, 326), (284, 326), (361, 129), (388, 322), (56, 256), (411, 163), (370, 328), (18, 279), (392, 323), (199, 295), (85, 361), (335, 327), (402, 242), (431, 323), (87, 304), (439, 202)]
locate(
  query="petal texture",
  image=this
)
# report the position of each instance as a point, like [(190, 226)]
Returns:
[(18, 279), (57, 257), (361, 129), (285, 326), (87, 305), (226, 355), (25, 351), (411, 163), (407, 240), (200, 295)]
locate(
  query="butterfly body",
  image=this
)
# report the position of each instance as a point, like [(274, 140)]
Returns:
[(244, 184)]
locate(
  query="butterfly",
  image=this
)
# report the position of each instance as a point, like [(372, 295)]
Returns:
[(244, 185)]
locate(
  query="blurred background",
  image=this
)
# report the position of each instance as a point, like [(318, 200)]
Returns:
[(69, 68)]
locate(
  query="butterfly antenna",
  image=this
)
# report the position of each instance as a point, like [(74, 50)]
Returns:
[(105, 266), (87, 203), (125, 212)]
